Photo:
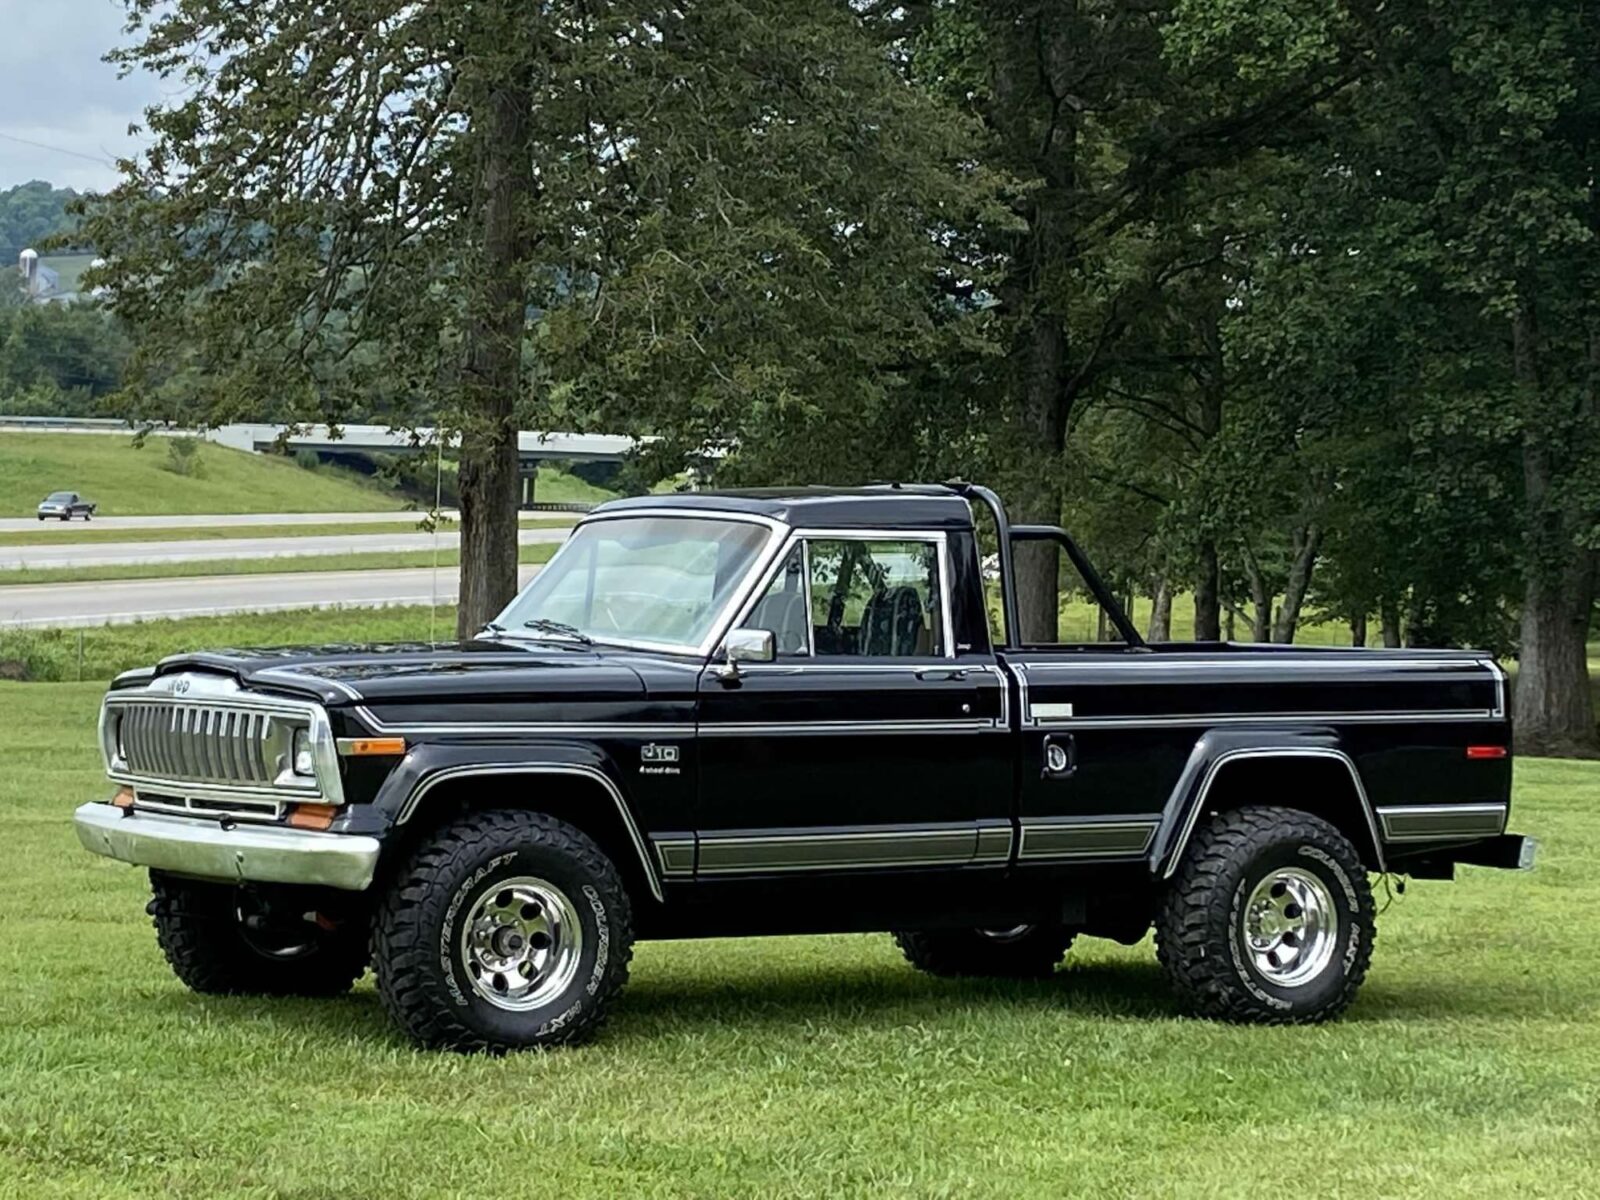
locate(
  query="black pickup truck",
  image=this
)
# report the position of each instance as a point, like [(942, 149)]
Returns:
[(789, 712)]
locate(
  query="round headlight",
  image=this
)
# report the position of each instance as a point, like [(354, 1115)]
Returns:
[(305, 762)]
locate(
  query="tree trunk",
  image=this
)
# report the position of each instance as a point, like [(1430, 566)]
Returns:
[(1041, 373), (1260, 600), (1554, 709), (1160, 629), (1037, 564), (1306, 543), (1358, 629), (1389, 623), (492, 352), (1207, 595)]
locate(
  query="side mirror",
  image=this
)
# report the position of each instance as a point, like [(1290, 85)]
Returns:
[(746, 645)]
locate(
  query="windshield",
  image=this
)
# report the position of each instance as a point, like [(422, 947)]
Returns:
[(57, 496), (656, 580)]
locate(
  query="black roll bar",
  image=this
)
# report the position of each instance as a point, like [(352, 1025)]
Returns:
[(1006, 533)]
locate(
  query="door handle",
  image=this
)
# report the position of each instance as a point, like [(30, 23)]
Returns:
[(944, 674), (1060, 756)]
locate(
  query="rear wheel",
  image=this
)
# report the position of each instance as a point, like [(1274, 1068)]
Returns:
[(506, 930), (222, 939), (1019, 952), (1269, 919)]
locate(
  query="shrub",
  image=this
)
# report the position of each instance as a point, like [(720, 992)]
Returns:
[(183, 456)]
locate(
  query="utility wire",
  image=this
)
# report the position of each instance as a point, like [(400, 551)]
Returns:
[(94, 158)]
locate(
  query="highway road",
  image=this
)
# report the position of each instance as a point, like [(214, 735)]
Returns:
[(106, 554), (79, 604), (226, 520)]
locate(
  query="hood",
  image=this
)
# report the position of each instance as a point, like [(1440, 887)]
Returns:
[(411, 672)]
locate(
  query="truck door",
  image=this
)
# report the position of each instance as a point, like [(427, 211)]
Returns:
[(869, 743)]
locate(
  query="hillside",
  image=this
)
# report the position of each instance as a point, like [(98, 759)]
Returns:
[(129, 481)]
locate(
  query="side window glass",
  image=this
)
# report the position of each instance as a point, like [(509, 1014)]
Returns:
[(783, 609), (880, 599)]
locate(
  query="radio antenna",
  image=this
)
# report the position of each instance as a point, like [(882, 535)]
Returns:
[(438, 496)]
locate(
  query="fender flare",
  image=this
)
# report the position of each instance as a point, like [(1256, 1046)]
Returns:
[(1215, 749), (427, 767)]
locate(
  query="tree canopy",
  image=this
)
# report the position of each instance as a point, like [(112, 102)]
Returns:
[(1292, 306)]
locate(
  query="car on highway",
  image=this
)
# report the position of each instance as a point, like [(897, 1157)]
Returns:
[(798, 711), (63, 506)]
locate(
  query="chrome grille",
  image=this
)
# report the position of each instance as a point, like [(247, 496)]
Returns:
[(200, 743)]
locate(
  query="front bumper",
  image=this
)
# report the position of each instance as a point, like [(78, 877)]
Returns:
[(242, 853)]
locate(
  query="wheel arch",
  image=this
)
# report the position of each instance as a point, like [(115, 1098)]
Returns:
[(583, 794), (1229, 771)]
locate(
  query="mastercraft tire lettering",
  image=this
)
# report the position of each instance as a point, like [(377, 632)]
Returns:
[(1269, 919), (505, 930)]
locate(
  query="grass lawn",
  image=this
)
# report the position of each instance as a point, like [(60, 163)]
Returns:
[(820, 1066), (285, 565), (56, 534), (126, 481), (52, 654)]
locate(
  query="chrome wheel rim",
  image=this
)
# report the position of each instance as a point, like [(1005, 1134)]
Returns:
[(1015, 933), (520, 943), (1290, 927)]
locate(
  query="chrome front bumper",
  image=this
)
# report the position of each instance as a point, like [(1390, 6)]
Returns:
[(243, 853)]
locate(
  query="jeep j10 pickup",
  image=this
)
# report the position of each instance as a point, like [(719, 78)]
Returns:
[(789, 712)]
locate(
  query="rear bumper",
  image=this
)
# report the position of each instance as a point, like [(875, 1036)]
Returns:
[(1509, 852), (243, 853)]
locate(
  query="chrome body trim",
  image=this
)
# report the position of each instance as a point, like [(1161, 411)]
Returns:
[(676, 855), (1073, 838), (1200, 758), (580, 729), (204, 850), (427, 784), (994, 844), (865, 848), (844, 728), (1454, 716), (1258, 662), (1442, 822)]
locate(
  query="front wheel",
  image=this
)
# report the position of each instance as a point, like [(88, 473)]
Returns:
[(1269, 919), (506, 930), (221, 939)]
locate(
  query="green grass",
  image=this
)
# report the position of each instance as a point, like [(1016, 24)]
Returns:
[(70, 268), (57, 534), (288, 565), (53, 654), (555, 486), (126, 481), (817, 1066)]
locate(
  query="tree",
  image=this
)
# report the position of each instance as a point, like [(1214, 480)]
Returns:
[(1470, 150), (486, 216), (31, 215)]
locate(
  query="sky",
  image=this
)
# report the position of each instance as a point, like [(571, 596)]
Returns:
[(57, 94)]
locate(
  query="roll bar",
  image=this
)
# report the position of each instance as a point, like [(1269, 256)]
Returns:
[(1008, 533)]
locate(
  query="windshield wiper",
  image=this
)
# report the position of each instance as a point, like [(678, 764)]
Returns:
[(493, 627), (559, 628)]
